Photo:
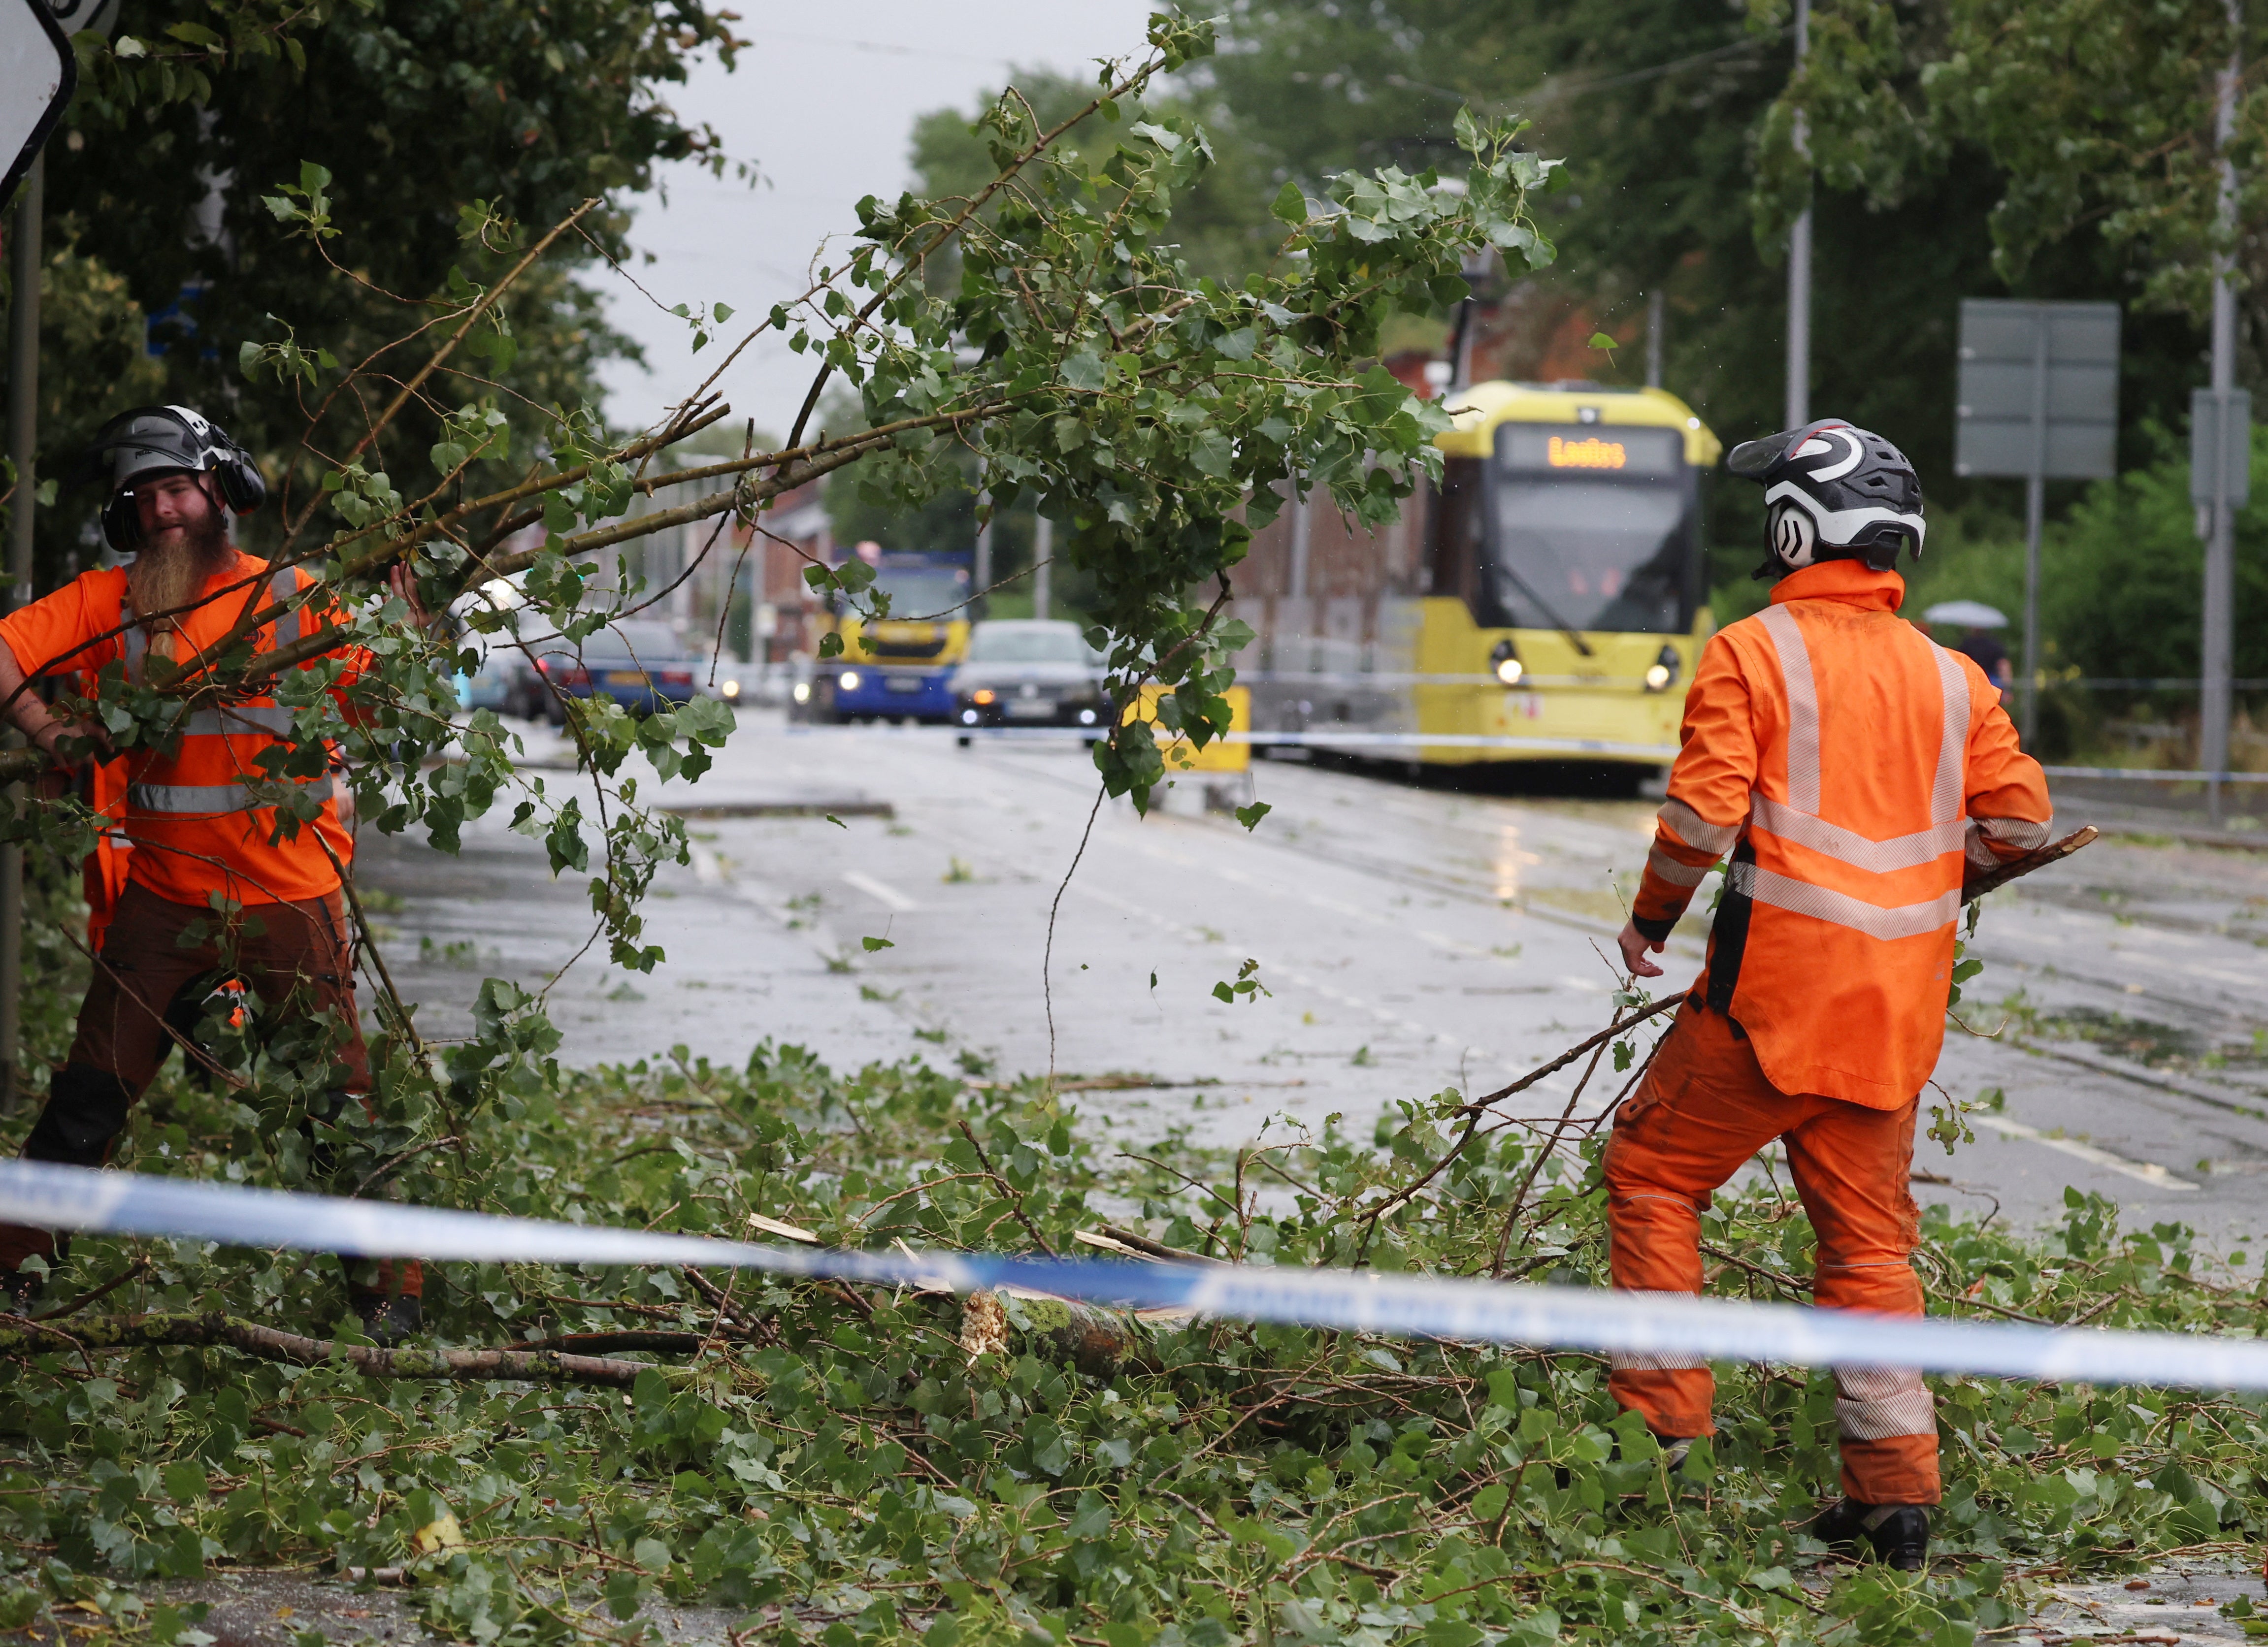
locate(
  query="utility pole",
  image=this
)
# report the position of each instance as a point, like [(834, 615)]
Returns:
[(1044, 546), (984, 567), (22, 432), (2220, 546), (1799, 258), (1655, 317)]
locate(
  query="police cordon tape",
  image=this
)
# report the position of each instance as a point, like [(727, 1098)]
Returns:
[(88, 1201)]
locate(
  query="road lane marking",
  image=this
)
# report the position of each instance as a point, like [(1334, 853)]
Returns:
[(881, 890), (2148, 1172)]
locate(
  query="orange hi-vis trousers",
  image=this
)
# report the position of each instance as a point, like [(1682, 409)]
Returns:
[(1702, 1111)]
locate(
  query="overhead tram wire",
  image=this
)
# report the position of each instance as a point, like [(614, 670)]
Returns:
[(1546, 89)]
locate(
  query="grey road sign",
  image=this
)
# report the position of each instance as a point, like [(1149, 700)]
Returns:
[(2211, 448), (2026, 364), (2038, 400)]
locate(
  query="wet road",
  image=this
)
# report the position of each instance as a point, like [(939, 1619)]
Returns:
[(1408, 938)]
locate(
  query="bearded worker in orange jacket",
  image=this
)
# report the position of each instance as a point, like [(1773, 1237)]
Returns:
[(199, 814), (1852, 768)]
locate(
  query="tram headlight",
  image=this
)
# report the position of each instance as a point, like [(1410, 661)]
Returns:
[(1506, 664), (848, 680), (803, 692), (1661, 673)]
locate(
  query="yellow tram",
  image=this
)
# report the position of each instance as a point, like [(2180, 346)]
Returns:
[(1549, 601)]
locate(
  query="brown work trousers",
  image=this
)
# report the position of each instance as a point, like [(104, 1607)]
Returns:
[(297, 951), (277, 949), (1704, 1110)]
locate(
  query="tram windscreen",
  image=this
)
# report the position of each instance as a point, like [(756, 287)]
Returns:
[(1591, 531)]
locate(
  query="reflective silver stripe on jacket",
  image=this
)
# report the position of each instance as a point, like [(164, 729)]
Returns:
[(1675, 873), (1876, 1403), (282, 587), (1847, 846), (212, 799), (1797, 819), (137, 643), (236, 719), (1697, 831), (1802, 708), (1822, 903)]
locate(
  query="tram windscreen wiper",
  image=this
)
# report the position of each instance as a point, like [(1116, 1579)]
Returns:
[(1544, 607)]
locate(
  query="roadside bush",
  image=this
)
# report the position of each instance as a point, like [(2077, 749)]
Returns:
[(854, 1465)]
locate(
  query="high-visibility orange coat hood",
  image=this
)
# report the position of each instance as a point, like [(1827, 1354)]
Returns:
[(1850, 765)]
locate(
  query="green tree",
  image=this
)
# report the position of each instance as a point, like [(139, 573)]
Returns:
[(192, 126), (1672, 117)]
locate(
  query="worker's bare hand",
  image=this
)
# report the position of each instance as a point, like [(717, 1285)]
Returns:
[(1635, 945), (403, 581), (72, 743)]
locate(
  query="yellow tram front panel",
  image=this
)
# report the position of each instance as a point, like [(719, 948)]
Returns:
[(1564, 510)]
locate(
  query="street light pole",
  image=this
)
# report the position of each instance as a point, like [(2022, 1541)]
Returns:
[(23, 431), (2221, 544), (1799, 261)]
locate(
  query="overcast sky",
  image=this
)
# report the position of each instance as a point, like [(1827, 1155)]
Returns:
[(823, 104)]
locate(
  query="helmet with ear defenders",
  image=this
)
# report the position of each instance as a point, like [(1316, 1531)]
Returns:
[(1832, 491), (153, 440)]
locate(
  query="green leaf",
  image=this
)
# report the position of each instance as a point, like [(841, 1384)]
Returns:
[(1290, 206), (1249, 817), (872, 944)]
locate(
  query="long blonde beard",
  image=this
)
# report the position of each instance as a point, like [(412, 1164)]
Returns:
[(161, 579)]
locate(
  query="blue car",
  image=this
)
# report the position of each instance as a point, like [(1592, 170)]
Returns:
[(637, 662)]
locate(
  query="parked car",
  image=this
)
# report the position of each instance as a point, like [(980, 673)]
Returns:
[(637, 662), (507, 680), (1028, 672)]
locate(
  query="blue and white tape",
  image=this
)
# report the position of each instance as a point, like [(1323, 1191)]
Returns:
[(1467, 1309)]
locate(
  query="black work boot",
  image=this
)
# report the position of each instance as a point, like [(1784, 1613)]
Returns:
[(1899, 1534), (388, 1319), (19, 1290)]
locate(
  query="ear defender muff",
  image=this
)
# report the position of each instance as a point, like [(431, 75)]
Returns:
[(1794, 535), (122, 523), (242, 486)]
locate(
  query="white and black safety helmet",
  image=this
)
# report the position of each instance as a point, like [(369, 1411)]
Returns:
[(1832, 491)]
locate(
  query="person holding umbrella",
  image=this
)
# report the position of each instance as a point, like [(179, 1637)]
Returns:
[(1977, 642)]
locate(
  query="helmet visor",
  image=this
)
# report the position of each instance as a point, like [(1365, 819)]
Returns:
[(1753, 459)]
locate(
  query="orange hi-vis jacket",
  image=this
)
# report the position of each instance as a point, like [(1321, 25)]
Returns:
[(192, 813), (1850, 766)]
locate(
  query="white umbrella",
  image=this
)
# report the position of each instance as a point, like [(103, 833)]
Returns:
[(1969, 614)]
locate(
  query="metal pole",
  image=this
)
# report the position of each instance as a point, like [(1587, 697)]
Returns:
[(1301, 530), (1799, 260), (984, 559), (2220, 550), (1044, 546), (1654, 320), (2035, 507), (22, 430)]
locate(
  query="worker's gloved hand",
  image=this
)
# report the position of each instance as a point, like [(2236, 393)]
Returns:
[(1635, 945)]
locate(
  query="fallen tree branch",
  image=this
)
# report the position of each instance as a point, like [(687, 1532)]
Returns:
[(268, 1344)]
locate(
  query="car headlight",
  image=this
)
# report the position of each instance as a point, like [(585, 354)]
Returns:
[(968, 717), (1086, 717), (1505, 663), (732, 689), (848, 680), (1661, 673), (802, 694), (983, 694)]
